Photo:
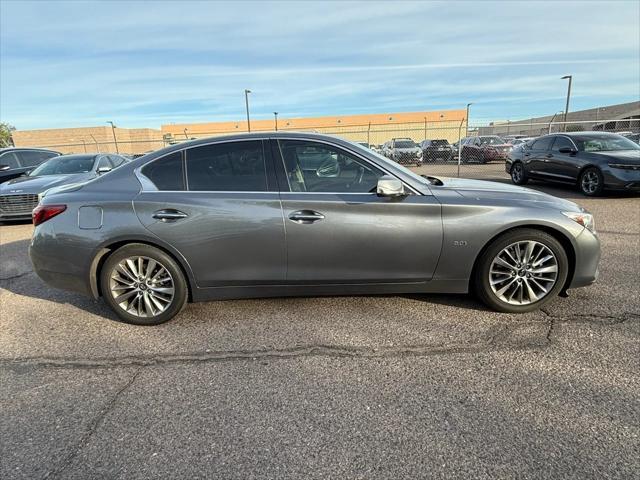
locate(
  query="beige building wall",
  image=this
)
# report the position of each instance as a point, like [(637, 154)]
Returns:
[(373, 128), (91, 139)]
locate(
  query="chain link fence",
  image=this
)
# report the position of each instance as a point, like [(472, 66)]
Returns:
[(445, 148)]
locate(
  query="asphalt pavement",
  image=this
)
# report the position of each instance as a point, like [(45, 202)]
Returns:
[(415, 386)]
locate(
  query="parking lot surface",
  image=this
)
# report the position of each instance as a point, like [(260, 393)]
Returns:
[(419, 386)]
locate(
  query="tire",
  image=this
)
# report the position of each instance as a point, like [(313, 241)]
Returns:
[(148, 302), (591, 182), (545, 286), (518, 173)]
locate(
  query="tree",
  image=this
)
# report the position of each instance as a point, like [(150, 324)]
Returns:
[(5, 134)]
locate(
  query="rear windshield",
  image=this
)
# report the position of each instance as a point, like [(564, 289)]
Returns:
[(405, 144), (64, 165), (606, 144)]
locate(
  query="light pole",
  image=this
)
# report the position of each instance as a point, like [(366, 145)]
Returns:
[(113, 130), (246, 103), (566, 108), (466, 131), (275, 114), (552, 119)]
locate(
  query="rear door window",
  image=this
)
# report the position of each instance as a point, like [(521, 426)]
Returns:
[(227, 167), (166, 173)]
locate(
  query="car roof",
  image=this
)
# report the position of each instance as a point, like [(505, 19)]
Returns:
[(13, 149)]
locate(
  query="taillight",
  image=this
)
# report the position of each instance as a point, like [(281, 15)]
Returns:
[(42, 213)]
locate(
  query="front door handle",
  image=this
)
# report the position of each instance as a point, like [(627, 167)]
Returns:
[(169, 215), (305, 216)]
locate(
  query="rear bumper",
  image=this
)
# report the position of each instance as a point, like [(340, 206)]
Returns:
[(587, 250), (15, 216)]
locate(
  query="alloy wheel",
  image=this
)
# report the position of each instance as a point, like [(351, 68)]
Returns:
[(516, 173), (590, 182), (141, 286), (523, 272)]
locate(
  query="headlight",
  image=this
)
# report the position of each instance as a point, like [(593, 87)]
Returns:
[(624, 166), (583, 218), (419, 153)]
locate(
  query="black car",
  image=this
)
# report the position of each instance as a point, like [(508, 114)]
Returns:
[(436, 150), (17, 161), (595, 161)]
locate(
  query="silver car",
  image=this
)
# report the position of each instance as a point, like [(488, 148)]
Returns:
[(276, 214)]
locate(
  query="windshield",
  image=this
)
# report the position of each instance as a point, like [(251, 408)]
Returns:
[(440, 143), (491, 141), (64, 165), (405, 144), (606, 144)]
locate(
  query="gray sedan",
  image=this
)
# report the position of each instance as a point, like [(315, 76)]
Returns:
[(18, 197), (275, 214)]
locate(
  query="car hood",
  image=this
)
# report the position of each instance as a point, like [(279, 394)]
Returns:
[(627, 156), (41, 183), (407, 150), (504, 192)]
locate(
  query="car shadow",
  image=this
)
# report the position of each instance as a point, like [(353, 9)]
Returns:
[(17, 276)]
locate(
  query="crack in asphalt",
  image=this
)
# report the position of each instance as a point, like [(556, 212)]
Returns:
[(13, 277), (499, 338), (91, 429), (271, 354)]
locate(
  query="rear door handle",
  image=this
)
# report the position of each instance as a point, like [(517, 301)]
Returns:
[(169, 215), (305, 216)]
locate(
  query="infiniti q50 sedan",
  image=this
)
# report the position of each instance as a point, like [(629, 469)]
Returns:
[(277, 214)]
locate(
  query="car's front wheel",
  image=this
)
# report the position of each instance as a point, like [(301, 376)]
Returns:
[(518, 174), (521, 271), (591, 182), (143, 285)]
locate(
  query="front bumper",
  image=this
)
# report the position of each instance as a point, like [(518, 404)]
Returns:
[(621, 179), (587, 250)]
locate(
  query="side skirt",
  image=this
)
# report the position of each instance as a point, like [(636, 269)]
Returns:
[(264, 291)]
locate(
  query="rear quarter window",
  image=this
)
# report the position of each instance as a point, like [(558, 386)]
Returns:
[(166, 173)]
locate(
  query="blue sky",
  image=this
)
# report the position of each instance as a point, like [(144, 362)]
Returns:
[(142, 64)]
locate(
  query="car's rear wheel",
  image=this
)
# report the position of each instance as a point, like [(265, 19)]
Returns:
[(591, 182), (521, 271), (518, 174), (143, 285)]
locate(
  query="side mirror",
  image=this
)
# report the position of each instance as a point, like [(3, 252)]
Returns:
[(102, 170), (4, 167), (567, 150), (389, 186)]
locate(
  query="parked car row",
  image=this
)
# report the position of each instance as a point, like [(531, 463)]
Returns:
[(594, 161), (20, 195)]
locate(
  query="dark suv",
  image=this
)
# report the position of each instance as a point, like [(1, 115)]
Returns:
[(436, 150), (16, 161)]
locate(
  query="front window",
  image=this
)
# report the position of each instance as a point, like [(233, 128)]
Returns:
[(34, 158), (316, 167), (606, 144), (440, 143), (65, 165)]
